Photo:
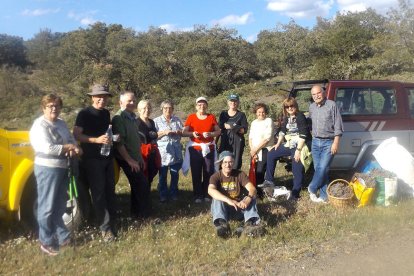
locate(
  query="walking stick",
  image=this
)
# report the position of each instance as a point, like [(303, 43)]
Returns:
[(73, 193)]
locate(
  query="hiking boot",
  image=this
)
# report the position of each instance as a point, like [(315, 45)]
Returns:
[(253, 229), (49, 250), (265, 184), (239, 230), (222, 228), (108, 236)]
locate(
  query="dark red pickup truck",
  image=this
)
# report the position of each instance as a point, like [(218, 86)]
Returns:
[(372, 111)]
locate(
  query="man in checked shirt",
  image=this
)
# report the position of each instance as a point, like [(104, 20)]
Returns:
[(327, 129)]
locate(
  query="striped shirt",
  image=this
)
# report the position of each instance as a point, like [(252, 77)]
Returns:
[(47, 139)]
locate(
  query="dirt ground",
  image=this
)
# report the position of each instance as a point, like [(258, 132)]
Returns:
[(390, 254)]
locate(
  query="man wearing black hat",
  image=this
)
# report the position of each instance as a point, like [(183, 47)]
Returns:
[(233, 194), (90, 130)]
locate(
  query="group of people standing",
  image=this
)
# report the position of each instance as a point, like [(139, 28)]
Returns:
[(144, 147)]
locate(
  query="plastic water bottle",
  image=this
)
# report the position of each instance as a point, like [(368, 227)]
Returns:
[(106, 148)]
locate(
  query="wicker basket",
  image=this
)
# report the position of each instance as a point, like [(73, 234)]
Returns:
[(338, 202)]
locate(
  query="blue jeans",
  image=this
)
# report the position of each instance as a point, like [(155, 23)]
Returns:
[(52, 186), (322, 158), (221, 210), (297, 167), (162, 183)]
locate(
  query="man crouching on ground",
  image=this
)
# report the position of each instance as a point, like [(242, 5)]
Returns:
[(233, 194)]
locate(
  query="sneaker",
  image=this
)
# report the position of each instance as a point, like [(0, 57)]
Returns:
[(163, 200), (325, 201), (265, 184), (49, 250), (198, 200), (314, 198), (253, 229), (207, 199), (108, 236), (222, 228)]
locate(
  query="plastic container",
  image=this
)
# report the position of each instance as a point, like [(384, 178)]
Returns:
[(106, 148), (379, 191)]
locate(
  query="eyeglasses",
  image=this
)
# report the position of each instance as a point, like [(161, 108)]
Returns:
[(51, 106), (288, 106)]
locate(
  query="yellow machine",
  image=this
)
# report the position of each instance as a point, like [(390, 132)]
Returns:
[(18, 185)]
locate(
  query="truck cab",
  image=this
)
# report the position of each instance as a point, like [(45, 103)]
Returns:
[(372, 111)]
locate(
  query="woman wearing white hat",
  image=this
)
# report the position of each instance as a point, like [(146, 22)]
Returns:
[(201, 127)]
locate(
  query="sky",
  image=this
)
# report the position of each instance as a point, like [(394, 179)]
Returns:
[(25, 18)]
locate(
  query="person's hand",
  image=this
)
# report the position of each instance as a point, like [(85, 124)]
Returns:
[(233, 203), (334, 148), (196, 134), (207, 134), (297, 155), (103, 139), (227, 126), (252, 152), (275, 146), (242, 204), (135, 166)]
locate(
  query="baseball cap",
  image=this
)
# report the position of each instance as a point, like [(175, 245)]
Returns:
[(199, 99), (233, 97), (223, 155)]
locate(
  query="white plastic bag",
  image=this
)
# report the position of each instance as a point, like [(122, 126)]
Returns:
[(395, 158)]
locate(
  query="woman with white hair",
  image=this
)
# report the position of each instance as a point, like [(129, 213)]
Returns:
[(169, 129), (148, 133)]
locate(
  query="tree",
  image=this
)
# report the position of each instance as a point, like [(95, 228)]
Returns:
[(342, 47), (12, 51), (283, 50), (40, 47)]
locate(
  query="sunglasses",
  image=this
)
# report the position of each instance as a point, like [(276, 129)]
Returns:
[(288, 106)]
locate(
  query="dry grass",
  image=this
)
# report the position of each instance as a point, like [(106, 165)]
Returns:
[(180, 239)]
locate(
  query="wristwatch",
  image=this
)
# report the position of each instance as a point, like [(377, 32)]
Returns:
[(299, 149)]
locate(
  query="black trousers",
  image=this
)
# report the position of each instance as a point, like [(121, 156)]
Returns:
[(140, 191), (99, 174), (201, 170)]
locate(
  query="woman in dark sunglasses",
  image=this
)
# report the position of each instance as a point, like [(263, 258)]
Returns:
[(293, 137)]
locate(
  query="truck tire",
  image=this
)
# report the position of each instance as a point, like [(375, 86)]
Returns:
[(28, 208)]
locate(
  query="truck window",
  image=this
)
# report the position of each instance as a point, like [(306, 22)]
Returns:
[(304, 99), (411, 101), (366, 101)]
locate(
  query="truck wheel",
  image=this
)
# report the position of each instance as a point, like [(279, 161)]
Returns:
[(28, 208)]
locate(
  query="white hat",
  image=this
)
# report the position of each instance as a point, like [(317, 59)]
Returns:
[(199, 99)]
